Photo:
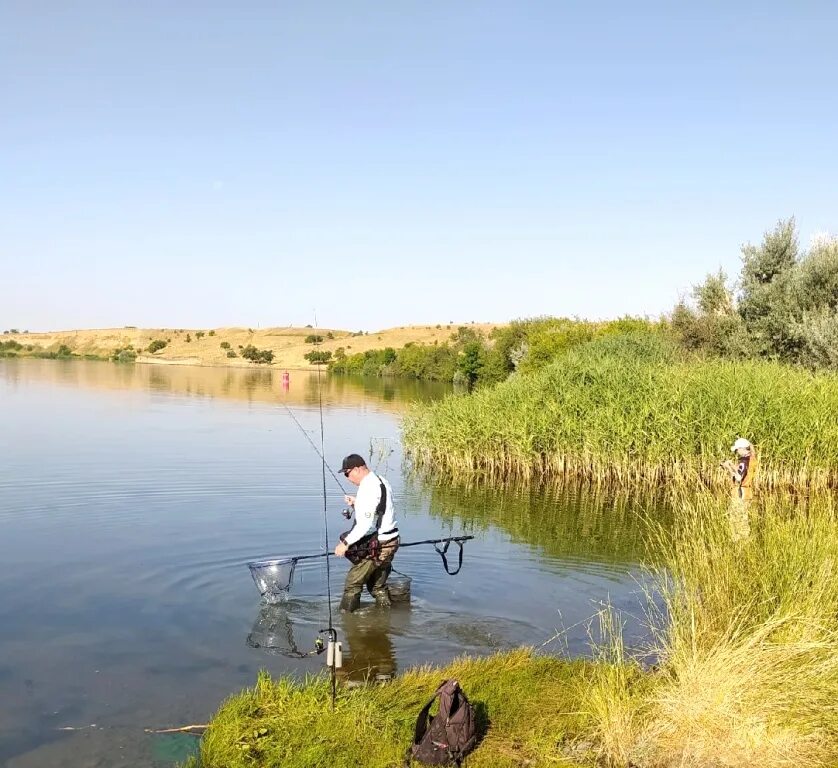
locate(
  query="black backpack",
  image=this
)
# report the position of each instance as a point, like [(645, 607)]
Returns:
[(447, 738)]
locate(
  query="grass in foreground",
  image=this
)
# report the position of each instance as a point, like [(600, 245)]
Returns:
[(748, 645), (528, 702), (629, 410)]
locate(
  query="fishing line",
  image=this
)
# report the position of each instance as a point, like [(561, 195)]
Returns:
[(311, 442)]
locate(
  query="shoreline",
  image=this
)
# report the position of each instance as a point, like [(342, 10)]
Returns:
[(180, 346)]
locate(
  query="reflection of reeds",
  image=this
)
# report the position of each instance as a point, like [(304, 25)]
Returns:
[(748, 646), (615, 419), (575, 520)]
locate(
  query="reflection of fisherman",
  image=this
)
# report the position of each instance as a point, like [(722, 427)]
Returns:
[(744, 471), (373, 514), (370, 654)]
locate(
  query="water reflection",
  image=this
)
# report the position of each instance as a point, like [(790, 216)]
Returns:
[(250, 384), (576, 522), (368, 648), (273, 630), (290, 630)]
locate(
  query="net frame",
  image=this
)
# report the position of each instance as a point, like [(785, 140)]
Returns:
[(274, 578)]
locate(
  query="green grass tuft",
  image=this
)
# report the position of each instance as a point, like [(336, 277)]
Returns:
[(526, 704)]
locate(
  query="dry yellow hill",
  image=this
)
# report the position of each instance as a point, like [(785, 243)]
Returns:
[(196, 346)]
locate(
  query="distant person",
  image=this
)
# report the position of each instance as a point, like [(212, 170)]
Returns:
[(744, 470), (374, 519)]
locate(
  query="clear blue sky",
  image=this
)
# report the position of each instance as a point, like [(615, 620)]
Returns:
[(384, 163)]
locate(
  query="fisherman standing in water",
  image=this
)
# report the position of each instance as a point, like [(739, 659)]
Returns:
[(374, 538)]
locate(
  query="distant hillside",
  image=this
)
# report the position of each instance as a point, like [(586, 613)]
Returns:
[(203, 346)]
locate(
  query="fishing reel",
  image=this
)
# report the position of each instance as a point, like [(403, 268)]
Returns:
[(348, 512), (333, 648)]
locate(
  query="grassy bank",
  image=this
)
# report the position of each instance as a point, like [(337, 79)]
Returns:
[(279, 722), (747, 672), (629, 409)]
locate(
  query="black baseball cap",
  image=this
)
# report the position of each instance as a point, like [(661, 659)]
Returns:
[(352, 461)]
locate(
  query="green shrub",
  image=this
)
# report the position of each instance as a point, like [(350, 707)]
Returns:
[(257, 355), (318, 357), (224, 345), (157, 345), (231, 353), (124, 355), (786, 308), (313, 338)]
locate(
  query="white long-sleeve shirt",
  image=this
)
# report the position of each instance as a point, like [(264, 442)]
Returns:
[(366, 502)]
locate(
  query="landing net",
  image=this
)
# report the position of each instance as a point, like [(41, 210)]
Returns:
[(273, 578)]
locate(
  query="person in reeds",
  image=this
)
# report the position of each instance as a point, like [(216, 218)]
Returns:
[(744, 470), (742, 474)]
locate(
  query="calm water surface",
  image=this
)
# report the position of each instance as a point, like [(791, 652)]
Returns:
[(131, 498)]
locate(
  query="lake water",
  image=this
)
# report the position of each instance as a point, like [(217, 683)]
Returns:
[(132, 497)]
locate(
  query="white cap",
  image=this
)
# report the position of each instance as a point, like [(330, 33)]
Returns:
[(740, 442)]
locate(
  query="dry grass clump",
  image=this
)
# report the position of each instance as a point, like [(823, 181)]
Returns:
[(747, 642), (627, 410)]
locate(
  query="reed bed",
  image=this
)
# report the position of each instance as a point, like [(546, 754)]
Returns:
[(626, 410)]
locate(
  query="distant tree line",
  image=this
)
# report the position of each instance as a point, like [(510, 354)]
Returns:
[(469, 357)]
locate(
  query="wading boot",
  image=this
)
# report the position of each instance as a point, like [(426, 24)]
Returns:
[(350, 603)]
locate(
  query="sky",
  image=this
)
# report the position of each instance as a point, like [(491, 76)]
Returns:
[(362, 165)]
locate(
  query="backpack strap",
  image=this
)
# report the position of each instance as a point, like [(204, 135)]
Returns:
[(382, 506), (422, 720)]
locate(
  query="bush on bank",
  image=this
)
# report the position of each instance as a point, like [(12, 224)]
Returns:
[(785, 308)]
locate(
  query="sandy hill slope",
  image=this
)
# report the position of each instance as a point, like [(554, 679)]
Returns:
[(202, 346)]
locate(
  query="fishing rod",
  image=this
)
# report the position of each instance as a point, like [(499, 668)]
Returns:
[(334, 653), (312, 444)]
